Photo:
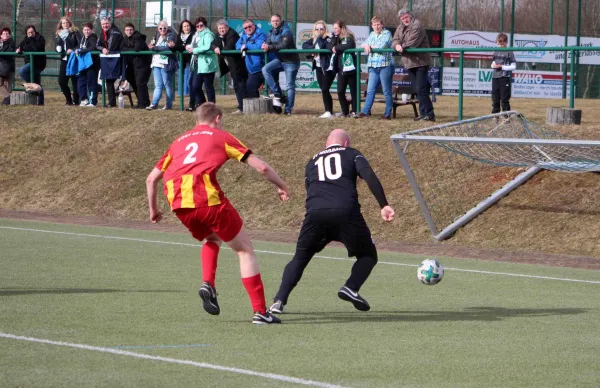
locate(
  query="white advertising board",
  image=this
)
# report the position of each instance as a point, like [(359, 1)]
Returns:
[(526, 84)]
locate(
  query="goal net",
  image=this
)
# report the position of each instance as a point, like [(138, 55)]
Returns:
[(460, 169)]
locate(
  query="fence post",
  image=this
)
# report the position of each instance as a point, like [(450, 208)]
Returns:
[(512, 24), (572, 82), (460, 84), (551, 15), (564, 90), (357, 97), (502, 15), (14, 29), (181, 88)]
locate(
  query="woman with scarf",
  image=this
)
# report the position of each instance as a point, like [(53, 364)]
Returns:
[(321, 64), (67, 40), (344, 65), (184, 38), (204, 62)]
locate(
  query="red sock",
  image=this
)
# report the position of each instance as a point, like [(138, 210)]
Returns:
[(256, 292), (209, 255)]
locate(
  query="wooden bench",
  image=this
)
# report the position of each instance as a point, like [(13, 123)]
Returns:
[(397, 92)]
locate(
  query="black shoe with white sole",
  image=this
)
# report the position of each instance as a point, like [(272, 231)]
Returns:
[(264, 319), (350, 296), (277, 307), (208, 294)]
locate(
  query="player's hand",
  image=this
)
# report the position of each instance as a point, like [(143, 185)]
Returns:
[(398, 48), (387, 213), (156, 216), (284, 195)]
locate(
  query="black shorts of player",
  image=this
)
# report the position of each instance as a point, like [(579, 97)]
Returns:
[(347, 226)]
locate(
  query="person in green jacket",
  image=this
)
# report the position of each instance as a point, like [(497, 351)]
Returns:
[(204, 62)]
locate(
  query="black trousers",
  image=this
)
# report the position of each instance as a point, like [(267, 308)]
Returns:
[(208, 80), (109, 86), (318, 230), (419, 80), (239, 85), (63, 82), (325, 80), (253, 83), (344, 80), (501, 88)]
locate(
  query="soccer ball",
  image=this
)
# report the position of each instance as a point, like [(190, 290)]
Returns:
[(430, 272)]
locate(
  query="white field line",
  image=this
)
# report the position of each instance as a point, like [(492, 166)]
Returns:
[(271, 376), (291, 254)]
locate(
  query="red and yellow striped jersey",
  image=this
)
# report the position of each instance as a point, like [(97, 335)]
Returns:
[(191, 163)]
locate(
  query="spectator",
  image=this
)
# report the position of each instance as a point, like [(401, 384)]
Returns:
[(344, 66), (237, 68), (7, 65), (184, 39), (411, 34), (252, 39), (280, 38), (503, 64), (381, 68), (321, 64), (163, 66), (109, 42), (205, 63), (67, 40), (33, 42), (87, 80), (137, 67)]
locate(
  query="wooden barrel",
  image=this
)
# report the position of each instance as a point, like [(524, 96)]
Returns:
[(23, 99), (256, 106), (563, 116)]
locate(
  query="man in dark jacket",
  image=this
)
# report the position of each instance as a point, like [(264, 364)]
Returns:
[(137, 67), (109, 42), (7, 65), (33, 42), (226, 40), (279, 38)]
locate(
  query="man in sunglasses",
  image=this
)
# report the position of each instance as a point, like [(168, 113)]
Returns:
[(280, 38), (252, 39)]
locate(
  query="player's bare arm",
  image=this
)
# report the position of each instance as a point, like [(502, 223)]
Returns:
[(151, 182), (270, 174)]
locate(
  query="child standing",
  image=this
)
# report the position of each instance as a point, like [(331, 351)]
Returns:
[(503, 64)]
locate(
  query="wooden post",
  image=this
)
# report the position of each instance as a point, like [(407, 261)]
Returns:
[(563, 116), (23, 99), (260, 105)]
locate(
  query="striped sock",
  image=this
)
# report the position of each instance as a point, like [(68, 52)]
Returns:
[(209, 255), (256, 292)]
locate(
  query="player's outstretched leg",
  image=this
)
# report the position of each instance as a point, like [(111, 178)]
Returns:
[(361, 270), (209, 298), (347, 294), (207, 291)]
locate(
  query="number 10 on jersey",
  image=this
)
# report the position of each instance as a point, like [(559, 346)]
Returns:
[(324, 167)]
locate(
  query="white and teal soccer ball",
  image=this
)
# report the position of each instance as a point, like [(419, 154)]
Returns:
[(430, 272)]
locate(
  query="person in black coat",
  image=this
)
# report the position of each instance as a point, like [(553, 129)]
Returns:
[(7, 65), (320, 64), (184, 38), (137, 67), (342, 40), (109, 42), (87, 80), (33, 42), (67, 40), (226, 40)]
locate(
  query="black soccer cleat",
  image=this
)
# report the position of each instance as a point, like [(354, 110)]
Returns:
[(277, 307), (209, 298), (350, 296), (264, 319)]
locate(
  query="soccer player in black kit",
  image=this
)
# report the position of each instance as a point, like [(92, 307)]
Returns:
[(333, 214)]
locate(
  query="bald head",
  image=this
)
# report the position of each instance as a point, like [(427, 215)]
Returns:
[(338, 136)]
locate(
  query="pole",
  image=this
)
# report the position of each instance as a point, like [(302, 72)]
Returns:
[(512, 24), (74, 10), (551, 15), (572, 81), (209, 14), (139, 23), (443, 16), (460, 84), (247, 9), (295, 16), (62, 8), (226, 11), (160, 12), (564, 89), (15, 19), (410, 5), (367, 14), (357, 97), (372, 10), (113, 10), (286, 10), (41, 16), (325, 9), (502, 15), (181, 88), (455, 13)]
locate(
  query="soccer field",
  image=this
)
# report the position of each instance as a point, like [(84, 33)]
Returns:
[(106, 307)]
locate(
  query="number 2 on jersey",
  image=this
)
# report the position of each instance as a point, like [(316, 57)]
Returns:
[(324, 167), (190, 158)]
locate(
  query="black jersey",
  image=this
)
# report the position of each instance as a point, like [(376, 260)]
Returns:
[(330, 179)]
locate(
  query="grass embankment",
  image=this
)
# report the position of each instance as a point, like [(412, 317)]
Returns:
[(61, 159)]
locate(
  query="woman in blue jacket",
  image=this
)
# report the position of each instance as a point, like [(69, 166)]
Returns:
[(252, 39), (163, 66)]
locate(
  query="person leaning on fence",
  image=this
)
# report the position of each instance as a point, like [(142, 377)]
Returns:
[(7, 65), (344, 65), (67, 40), (205, 63), (411, 34), (226, 40), (184, 38), (163, 66), (87, 80), (321, 64), (109, 42), (504, 63), (252, 39), (137, 67), (33, 42), (280, 38), (381, 68)]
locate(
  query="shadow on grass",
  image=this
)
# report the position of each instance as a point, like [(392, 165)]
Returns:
[(468, 314), (45, 291)]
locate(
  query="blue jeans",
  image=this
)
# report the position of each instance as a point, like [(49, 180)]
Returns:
[(291, 70), (163, 80), (24, 73), (377, 75), (186, 81), (87, 82)]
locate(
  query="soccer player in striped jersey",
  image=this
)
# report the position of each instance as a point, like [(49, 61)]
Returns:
[(189, 171)]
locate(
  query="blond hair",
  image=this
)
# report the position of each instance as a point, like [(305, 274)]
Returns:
[(59, 25), (315, 33), (208, 113), (345, 33)]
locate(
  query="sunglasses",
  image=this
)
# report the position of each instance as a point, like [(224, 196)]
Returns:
[(248, 27), (200, 25), (161, 28), (320, 29)]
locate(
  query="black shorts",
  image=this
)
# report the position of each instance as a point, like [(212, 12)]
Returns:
[(346, 226)]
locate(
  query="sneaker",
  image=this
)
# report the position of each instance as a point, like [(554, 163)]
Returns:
[(277, 307), (166, 108), (189, 109), (361, 115), (264, 319), (428, 118), (352, 115), (237, 112), (6, 101), (151, 107), (208, 294), (288, 113), (339, 115), (84, 103), (326, 115), (90, 106), (350, 296)]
